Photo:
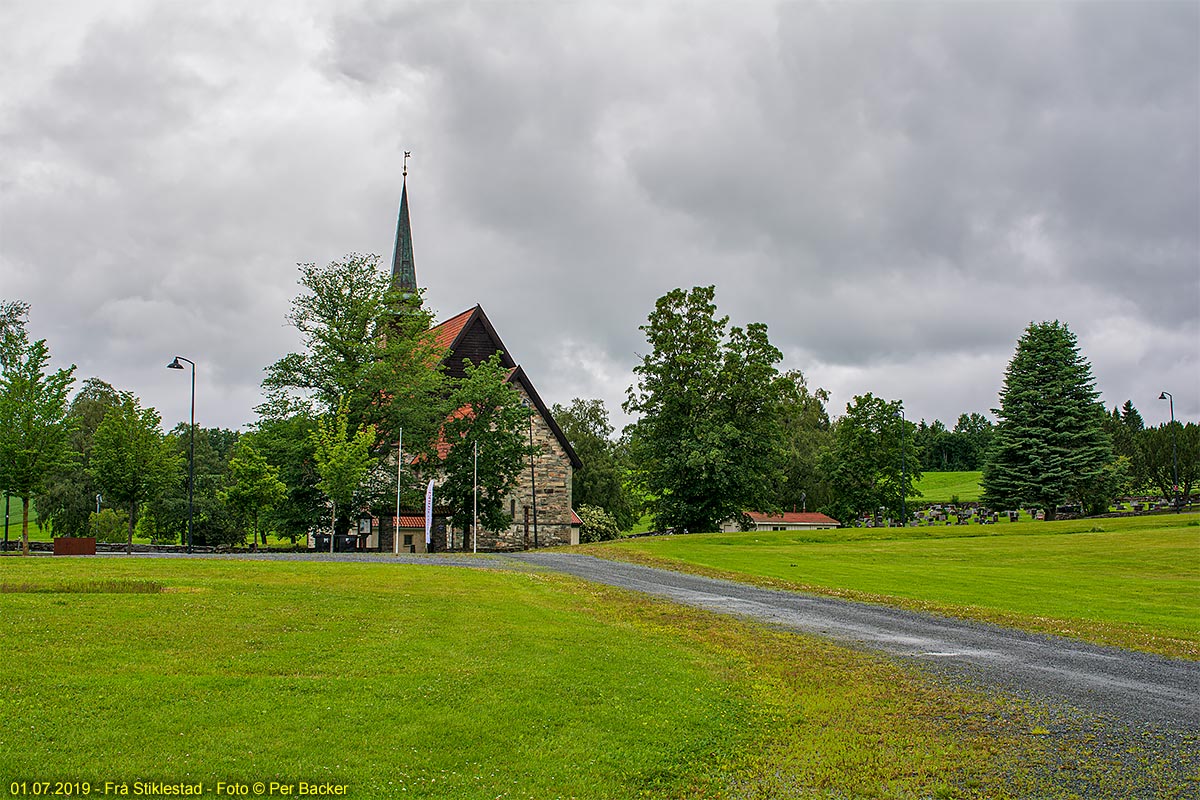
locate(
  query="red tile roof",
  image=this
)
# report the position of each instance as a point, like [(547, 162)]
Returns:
[(575, 520), (794, 517), (413, 521), (446, 332)]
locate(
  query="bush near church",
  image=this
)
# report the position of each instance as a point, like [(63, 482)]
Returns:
[(598, 525)]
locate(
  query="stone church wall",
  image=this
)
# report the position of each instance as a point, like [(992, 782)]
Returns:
[(552, 474)]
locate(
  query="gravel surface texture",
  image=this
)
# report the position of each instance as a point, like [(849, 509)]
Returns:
[(1137, 687), (1111, 723)]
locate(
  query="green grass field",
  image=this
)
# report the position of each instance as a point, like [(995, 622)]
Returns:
[(940, 487), (436, 682), (14, 522), (1133, 581)]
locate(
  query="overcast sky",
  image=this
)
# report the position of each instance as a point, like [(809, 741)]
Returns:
[(895, 189)]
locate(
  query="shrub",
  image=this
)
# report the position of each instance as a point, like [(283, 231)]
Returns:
[(598, 525), (110, 525)]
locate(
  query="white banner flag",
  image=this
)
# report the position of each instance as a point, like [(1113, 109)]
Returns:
[(428, 510)]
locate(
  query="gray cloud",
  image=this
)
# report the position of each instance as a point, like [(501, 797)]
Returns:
[(896, 189)]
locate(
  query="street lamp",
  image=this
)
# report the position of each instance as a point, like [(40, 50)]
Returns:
[(903, 485), (191, 444), (1174, 454)]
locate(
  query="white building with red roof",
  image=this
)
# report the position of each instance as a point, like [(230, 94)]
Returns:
[(787, 521)]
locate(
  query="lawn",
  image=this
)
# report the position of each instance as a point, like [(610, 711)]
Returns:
[(14, 522), (1133, 582), (942, 487), (439, 682)]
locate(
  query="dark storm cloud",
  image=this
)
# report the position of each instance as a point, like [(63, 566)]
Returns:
[(896, 189)]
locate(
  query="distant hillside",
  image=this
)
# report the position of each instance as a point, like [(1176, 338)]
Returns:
[(940, 487)]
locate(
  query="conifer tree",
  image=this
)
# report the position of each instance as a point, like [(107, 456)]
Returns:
[(1050, 446)]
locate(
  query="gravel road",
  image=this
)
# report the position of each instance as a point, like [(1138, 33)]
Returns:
[(1134, 687)]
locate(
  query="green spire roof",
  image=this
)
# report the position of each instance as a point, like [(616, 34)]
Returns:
[(404, 274)]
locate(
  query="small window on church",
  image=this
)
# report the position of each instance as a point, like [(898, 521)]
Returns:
[(512, 508)]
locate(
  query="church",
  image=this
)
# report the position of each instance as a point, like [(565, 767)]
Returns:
[(540, 504)]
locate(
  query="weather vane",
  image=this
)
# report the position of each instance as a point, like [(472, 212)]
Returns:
[(406, 155)]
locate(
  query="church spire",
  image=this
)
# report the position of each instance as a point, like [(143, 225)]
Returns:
[(404, 274)]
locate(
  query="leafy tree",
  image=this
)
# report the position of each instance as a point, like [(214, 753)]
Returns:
[(708, 443), (254, 486), (287, 445), (935, 446), (1050, 446), (13, 341), (132, 460), (367, 346), (213, 523), (69, 497), (342, 459), (872, 462), (807, 430), (489, 413), (109, 525), (601, 482), (973, 434), (35, 433), (962, 449), (598, 525), (1154, 448)]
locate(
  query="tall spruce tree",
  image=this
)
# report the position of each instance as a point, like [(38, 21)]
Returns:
[(1050, 446)]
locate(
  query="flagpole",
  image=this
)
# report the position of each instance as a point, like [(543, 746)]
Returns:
[(400, 462), (475, 528)]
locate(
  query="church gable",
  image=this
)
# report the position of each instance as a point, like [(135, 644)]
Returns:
[(470, 335), (477, 341)]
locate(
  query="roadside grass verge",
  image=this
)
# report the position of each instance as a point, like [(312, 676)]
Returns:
[(439, 682), (1131, 582), (940, 487), (117, 586)]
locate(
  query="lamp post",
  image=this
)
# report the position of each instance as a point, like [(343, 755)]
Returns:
[(1174, 453), (903, 473), (191, 445)]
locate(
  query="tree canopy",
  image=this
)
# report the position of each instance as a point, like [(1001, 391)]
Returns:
[(602, 480), (132, 461), (68, 497), (13, 316), (871, 462), (1049, 446), (802, 484), (35, 431), (489, 413), (342, 456), (365, 345), (254, 486), (707, 444)]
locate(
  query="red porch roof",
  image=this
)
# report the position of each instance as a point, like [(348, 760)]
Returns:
[(794, 517)]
